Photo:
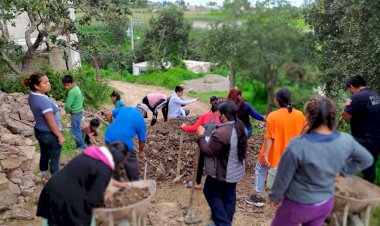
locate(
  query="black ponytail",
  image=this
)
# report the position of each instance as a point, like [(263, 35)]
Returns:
[(229, 109), (284, 97)]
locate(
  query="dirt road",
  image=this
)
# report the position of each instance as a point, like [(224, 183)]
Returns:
[(134, 93)]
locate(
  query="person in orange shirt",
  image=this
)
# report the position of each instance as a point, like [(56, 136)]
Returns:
[(282, 125)]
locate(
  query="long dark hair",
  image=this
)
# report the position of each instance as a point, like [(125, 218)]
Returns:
[(229, 109), (233, 96), (284, 98), (320, 111), (34, 79), (119, 153)]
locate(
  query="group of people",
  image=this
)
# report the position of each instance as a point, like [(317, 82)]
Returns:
[(307, 151)]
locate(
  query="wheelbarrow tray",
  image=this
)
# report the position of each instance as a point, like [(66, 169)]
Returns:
[(129, 212), (368, 194)]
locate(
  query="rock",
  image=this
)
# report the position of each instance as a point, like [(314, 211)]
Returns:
[(9, 138), (19, 214), (26, 165), (4, 155), (27, 192), (28, 132), (26, 114), (24, 142), (16, 180), (17, 173), (14, 188), (20, 200), (17, 127), (28, 151), (3, 115), (27, 182), (2, 97), (10, 164), (10, 98), (4, 183), (7, 199)]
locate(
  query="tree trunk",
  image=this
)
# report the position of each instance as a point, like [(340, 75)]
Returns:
[(29, 63), (96, 66), (232, 77), (270, 88)]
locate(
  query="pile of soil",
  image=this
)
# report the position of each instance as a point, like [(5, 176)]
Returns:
[(162, 147), (127, 196)]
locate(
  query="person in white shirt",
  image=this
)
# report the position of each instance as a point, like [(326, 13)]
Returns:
[(176, 103)]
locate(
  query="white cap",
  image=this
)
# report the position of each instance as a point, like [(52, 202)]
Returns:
[(143, 107)]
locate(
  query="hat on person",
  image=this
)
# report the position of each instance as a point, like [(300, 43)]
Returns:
[(143, 107)]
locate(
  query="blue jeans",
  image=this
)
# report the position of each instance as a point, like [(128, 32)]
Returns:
[(75, 129), (221, 197), (50, 151), (249, 132), (261, 172)]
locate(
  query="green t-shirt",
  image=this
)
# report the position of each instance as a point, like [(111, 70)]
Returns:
[(74, 100)]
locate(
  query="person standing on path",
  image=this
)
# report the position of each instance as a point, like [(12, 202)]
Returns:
[(156, 101), (363, 111), (226, 151), (282, 125), (74, 106), (126, 123), (48, 126), (208, 120), (244, 109), (176, 103), (303, 189)]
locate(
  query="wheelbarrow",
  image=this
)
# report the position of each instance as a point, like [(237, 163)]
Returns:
[(354, 199), (132, 215)]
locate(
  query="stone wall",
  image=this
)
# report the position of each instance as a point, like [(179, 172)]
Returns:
[(18, 157)]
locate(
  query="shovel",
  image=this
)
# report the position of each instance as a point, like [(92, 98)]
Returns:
[(191, 217), (178, 174)]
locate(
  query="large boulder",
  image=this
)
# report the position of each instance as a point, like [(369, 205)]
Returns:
[(17, 173), (7, 199), (14, 188)]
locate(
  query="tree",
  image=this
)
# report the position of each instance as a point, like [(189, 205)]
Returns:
[(347, 34), (52, 21), (270, 41), (219, 45), (167, 39)]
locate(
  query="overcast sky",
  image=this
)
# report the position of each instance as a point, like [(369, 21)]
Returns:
[(220, 2)]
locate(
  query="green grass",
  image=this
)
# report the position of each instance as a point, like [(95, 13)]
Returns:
[(205, 97), (68, 149)]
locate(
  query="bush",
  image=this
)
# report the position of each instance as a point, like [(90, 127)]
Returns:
[(96, 92)]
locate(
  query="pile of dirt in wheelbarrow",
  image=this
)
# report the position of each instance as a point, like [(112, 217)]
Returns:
[(162, 145), (127, 196), (347, 193)]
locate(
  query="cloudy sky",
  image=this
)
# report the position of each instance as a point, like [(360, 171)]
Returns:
[(220, 2)]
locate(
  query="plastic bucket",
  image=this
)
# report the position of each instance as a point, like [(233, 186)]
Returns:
[(270, 177)]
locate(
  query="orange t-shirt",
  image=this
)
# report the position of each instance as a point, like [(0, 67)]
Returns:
[(281, 126)]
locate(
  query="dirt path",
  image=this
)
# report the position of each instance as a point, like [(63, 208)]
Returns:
[(133, 94), (209, 83)]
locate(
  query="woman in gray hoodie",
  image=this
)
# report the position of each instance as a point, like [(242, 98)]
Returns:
[(303, 189), (225, 152)]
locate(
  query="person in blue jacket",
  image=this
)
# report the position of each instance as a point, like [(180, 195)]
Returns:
[(244, 110)]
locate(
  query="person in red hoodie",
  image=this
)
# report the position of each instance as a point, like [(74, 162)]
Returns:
[(208, 120)]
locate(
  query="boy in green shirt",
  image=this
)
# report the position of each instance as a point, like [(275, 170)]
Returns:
[(74, 106)]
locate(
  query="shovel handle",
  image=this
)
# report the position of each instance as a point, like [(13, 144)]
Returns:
[(196, 161), (179, 155)]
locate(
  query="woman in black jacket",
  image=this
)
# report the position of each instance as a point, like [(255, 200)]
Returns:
[(70, 195)]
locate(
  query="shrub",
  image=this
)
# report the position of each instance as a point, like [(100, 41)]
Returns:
[(96, 92)]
